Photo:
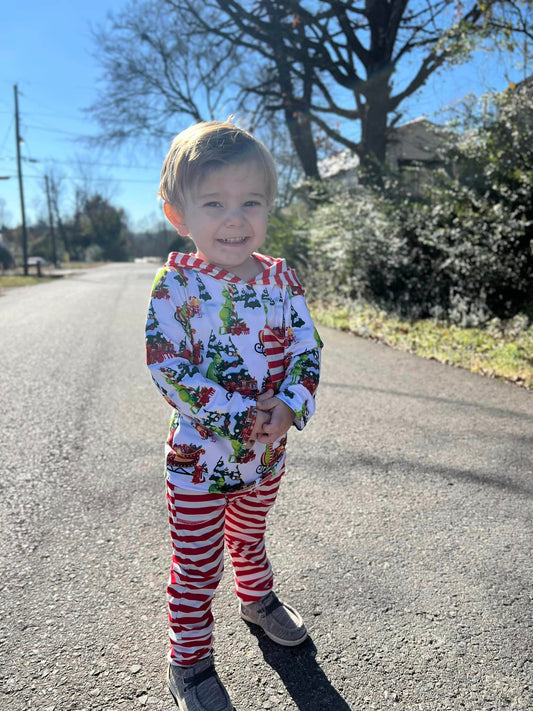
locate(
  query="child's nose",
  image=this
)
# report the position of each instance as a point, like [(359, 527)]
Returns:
[(235, 216)]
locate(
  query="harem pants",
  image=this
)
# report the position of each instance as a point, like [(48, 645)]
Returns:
[(200, 522)]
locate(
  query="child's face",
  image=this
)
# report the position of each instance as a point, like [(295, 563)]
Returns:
[(226, 216)]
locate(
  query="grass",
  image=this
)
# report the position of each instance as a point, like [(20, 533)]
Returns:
[(82, 265), (9, 281), (503, 351), (15, 278)]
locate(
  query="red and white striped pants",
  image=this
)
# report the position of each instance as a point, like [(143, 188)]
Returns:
[(199, 524)]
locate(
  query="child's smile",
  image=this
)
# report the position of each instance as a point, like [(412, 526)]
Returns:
[(226, 217)]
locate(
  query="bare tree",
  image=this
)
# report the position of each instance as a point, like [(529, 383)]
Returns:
[(56, 190), (340, 60), (328, 64), (5, 215), (153, 76)]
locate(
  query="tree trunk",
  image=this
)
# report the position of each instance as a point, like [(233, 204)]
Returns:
[(374, 127), (295, 109), (302, 139)]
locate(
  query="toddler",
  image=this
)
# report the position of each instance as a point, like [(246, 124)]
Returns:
[(232, 348)]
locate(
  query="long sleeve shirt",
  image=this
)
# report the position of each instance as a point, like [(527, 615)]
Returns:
[(213, 344)]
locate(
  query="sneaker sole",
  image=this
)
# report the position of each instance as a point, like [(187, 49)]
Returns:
[(278, 640)]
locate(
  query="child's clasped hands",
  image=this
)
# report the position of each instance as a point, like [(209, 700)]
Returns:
[(274, 418)]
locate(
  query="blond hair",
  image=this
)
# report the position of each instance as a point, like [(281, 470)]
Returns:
[(207, 146)]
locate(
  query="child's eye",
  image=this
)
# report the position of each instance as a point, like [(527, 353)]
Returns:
[(252, 203), (212, 203)]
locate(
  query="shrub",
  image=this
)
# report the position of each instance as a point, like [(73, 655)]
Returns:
[(287, 237), (6, 258), (461, 252)]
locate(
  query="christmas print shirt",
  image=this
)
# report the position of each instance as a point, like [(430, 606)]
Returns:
[(214, 343)]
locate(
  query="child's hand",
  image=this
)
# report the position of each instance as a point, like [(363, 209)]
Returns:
[(261, 419), (281, 419)]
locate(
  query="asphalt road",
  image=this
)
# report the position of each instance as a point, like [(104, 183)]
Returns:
[(402, 531)]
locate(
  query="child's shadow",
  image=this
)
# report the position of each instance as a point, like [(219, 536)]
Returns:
[(297, 668)]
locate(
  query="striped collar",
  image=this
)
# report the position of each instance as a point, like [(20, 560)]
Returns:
[(275, 271)]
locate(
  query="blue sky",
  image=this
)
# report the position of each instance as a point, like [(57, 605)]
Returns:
[(46, 49)]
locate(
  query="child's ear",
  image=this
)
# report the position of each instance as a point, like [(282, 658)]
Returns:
[(176, 218)]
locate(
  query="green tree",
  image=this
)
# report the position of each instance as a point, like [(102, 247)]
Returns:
[(100, 224), (491, 201), (462, 251), (6, 258)]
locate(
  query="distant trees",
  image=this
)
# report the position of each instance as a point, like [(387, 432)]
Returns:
[(6, 258), (53, 192), (328, 68), (96, 230), (99, 225)]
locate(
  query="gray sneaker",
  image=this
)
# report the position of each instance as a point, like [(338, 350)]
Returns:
[(279, 621), (198, 687)]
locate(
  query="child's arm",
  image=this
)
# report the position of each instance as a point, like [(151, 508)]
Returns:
[(302, 358), (171, 361)]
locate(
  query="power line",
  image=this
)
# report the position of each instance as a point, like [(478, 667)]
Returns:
[(98, 180), (55, 130), (49, 114), (97, 164), (32, 114), (7, 133), (36, 121), (94, 164)]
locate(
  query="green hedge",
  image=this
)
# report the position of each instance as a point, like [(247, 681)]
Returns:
[(461, 252)]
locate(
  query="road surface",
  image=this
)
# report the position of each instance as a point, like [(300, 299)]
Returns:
[(402, 531)]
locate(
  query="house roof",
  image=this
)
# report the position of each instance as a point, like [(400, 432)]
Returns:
[(338, 163), (416, 140)]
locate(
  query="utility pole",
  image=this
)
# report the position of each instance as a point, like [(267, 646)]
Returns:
[(21, 188), (51, 222)]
